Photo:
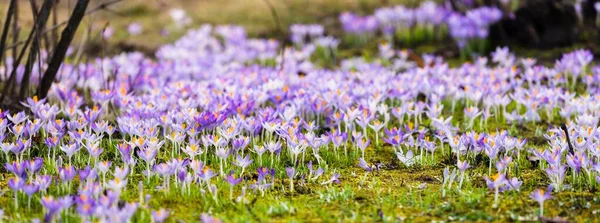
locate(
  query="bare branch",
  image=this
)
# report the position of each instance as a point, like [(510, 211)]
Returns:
[(9, 83), (44, 35), (102, 6), (16, 29), (9, 15), (278, 26), (61, 49), (54, 23), (42, 18)]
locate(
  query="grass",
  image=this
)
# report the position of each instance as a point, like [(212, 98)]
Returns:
[(389, 196), (396, 193)]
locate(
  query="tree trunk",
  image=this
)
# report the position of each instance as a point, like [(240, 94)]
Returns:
[(61, 49), (41, 20), (5, 30)]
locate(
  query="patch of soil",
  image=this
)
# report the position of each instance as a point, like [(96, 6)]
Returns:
[(99, 49), (426, 178)]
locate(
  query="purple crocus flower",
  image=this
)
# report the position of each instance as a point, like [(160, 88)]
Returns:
[(20, 146), (70, 149), (147, 154), (233, 180), (160, 215), (66, 173), (107, 32), (363, 164), (107, 200), (91, 115), (43, 182), (192, 149), (125, 151), (513, 184), (87, 173), (32, 127), (495, 181), (290, 171), (242, 162), (33, 166), (206, 174), (17, 118), (206, 218), (117, 183), (17, 168), (33, 103), (134, 29), (262, 173), (556, 173), (196, 166), (338, 138), (240, 143), (94, 149), (127, 212), (66, 201), (16, 183), (541, 195), (86, 208), (395, 136), (182, 175), (273, 147), (577, 161), (7, 147), (52, 205), (46, 112), (272, 173), (30, 189), (163, 169), (318, 173), (103, 166), (503, 163), (462, 165), (121, 172), (52, 142), (335, 178)]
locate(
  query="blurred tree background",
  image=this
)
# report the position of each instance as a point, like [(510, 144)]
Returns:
[(157, 28)]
